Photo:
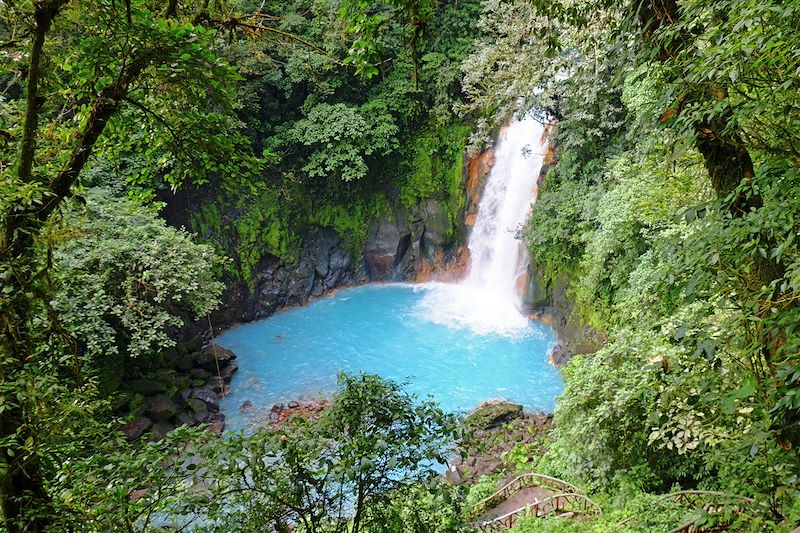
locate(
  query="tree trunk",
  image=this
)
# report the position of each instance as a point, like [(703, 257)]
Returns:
[(25, 502)]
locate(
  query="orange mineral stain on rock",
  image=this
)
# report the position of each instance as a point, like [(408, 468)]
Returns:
[(447, 270), (549, 155), (478, 168), (521, 284), (424, 270)]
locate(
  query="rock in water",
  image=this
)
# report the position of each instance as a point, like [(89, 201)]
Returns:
[(213, 355)]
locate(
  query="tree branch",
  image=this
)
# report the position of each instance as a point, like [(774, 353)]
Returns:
[(103, 109), (44, 14)]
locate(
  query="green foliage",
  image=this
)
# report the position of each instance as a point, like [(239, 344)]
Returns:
[(637, 512), (118, 486), (351, 223), (420, 509), (482, 489), (355, 466), (252, 225), (366, 464), (120, 272), (696, 384), (437, 171), (341, 136), (736, 61)]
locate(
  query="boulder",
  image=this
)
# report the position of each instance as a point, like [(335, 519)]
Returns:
[(216, 423), (200, 373), (228, 371), (133, 430), (199, 409), (192, 345), (160, 430), (454, 475), (213, 355), (121, 401), (170, 357), (161, 408), (491, 415), (207, 396), (186, 362), (166, 376), (185, 419), (218, 386)]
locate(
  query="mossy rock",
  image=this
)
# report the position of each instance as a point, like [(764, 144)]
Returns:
[(183, 382), (491, 415), (121, 401), (166, 376), (192, 345), (147, 386)]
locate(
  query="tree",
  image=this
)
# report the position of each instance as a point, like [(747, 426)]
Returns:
[(671, 212), (354, 469), (86, 69), (374, 443)]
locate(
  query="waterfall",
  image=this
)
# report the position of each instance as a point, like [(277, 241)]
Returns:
[(487, 300)]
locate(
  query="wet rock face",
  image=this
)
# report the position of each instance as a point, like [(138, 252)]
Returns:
[(134, 429), (550, 303), (324, 264), (411, 244), (399, 248)]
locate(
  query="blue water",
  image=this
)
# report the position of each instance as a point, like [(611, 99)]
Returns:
[(382, 329)]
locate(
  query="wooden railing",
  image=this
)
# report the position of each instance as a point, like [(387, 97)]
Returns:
[(571, 503), (528, 479)]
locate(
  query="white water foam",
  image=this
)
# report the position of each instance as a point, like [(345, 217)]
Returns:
[(486, 301)]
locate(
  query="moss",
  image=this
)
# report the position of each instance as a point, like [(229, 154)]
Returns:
[(437, 171), (257, 226), (269, 220), (351, 222)]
